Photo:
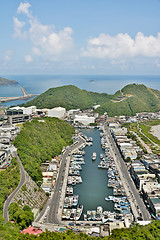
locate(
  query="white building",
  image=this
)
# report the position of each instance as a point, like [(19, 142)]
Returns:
[(73, 111), (85, 120), (27, 110), (58, 112)]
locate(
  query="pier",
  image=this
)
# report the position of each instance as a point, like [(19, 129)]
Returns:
[(24, 97)]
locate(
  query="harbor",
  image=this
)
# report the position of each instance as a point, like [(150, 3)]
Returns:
[(94, 191)]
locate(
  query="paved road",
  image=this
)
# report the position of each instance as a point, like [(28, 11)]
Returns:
[(139, 201), (54, 202), (22, 181)]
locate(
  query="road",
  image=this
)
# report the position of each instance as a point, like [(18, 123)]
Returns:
[(53, 203), (130, 183), (22, 181)]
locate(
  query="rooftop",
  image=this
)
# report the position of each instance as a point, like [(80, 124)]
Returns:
[(32, 230)]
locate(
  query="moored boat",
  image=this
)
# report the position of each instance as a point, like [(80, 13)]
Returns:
[(94, 156)]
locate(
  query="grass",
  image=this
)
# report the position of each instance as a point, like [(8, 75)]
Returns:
[(148, 138)]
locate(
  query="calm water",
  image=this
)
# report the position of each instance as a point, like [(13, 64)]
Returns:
[(94, 188), (96, 83)]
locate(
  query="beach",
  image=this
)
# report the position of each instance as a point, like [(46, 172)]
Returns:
[(155, 130)]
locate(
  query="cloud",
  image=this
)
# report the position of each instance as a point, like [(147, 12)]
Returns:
[(46, 42), (24, 8), (122, 45), (28, 58), (49, 42), (36, 51), (18, 25)]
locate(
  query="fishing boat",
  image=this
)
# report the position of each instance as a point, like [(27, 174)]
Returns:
[(89, 215), (94, 156), (109, 198), (79, 212)]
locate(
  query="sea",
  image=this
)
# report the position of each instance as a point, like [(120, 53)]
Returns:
[(37, 84)]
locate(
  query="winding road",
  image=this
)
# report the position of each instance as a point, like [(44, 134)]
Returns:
[(22, 181)]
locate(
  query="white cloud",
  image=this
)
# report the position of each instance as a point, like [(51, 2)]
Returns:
[(28, 58), (46, 42), (36, 51), (24, 8), (18, 25), (122, 45)]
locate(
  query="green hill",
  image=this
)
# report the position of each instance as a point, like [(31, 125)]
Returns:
[(6, 82), (127, 101), (41, 140)]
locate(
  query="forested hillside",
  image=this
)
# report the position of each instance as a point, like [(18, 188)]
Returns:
[(42, 140), (129, 100), (135, 232), (9, 180)]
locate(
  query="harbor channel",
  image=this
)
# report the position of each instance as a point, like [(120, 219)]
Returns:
[(93, 190)]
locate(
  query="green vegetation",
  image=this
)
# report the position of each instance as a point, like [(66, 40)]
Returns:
[(143, 131), (135, 232), (133, 98), (40, 141), (22, 217), (6, 82), (146, 128), (9, 180), (68, 97)]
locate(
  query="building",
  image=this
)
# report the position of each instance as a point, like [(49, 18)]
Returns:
[(19, 118), (84, 120), (21, 110), (57, 112), (31, 230), (151, 193)]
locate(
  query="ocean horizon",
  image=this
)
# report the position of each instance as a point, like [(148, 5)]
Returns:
[(37, 84)]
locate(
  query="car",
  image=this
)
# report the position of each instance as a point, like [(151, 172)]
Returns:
[(78, 224), (87, 224)]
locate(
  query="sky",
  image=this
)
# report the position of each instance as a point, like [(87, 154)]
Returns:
[(119, 37)]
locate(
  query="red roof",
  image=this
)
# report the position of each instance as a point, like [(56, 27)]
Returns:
[(32, 230)]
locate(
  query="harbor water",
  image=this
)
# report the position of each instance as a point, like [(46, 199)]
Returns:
[(94, 189)]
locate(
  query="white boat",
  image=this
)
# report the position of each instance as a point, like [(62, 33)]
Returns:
[(79, 212), (109, 198), (94, 156)]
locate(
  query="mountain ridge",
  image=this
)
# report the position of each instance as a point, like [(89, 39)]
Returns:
[(129, 100), (7, 82)]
